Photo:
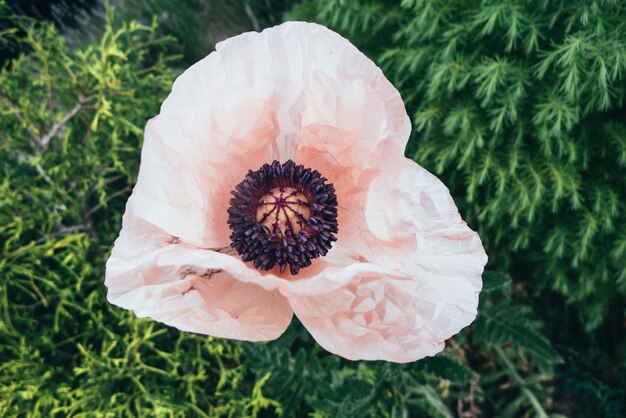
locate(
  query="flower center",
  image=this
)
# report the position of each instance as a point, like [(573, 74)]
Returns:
[(284, 215), (283, 208)]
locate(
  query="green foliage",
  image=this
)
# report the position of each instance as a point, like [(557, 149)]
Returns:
[(71, 126), (502, 322), (507, 99), (469, 376), (519, 106)]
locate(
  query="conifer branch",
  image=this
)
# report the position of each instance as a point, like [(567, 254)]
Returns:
[(18, 114), (45, 140)]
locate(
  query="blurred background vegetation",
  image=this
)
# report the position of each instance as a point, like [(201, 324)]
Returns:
[(517, 105)]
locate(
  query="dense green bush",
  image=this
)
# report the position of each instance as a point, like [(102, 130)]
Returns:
[(71, 125), (519, 106)]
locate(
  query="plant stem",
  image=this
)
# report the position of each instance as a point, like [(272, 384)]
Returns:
[(519, 381)]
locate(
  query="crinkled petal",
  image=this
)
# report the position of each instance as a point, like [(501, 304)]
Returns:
[(184, 187), (389, 317), (337, 269), (309, 75), (207, 301), (414, 230), (404, 274), (296, 91), (418, 227)]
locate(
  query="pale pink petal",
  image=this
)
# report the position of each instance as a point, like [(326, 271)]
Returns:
[(207, 301), (418, 226), (389, 317), (349, 123), (351, 185), (336, 269), (405, 272), (296, 91), (309, 74), (183, 186), (415, 230)]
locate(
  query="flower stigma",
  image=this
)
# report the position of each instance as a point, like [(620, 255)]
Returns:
[(283, 208), (283, 215)]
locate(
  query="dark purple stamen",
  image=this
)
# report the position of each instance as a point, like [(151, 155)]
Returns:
[(283, 214)]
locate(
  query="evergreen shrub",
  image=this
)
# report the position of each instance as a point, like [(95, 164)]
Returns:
[(71, 125), (518, 105)]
